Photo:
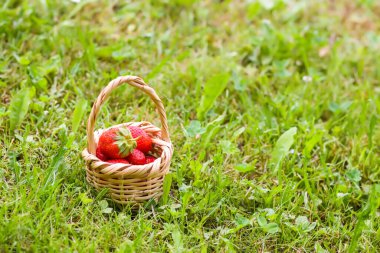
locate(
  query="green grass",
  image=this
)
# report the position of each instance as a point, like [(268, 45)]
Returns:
[(273, 112)]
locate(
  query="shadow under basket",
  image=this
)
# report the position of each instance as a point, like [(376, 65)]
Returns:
[(127, 183)]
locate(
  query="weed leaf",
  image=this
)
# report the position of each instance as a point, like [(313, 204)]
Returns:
[(166, 190), (213, 88), (243, 167), (85, 200), (19, 106), (282, 147), (194, 128), (78, 113), (354, 175), (272, 228)]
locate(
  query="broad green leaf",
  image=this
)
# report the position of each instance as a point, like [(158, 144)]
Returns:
[(85, 200), (106, 52), (177, 239), (238, 132), (212, 90), (311, 227), (55, 167), (341, 195), (244, 167), (166, 188), (269, 213), (103, 204), (239, 83), (354, 175), (194, 128), (302, 223), (337, 108), (282, 147), (107, 210), (262, 221), (78, 113), (334, 107), (281, 68), (228, 147), (23, 60), (123, 54), (240, 220), (19, 106), (272, 228)]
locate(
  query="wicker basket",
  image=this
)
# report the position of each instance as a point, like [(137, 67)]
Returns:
[(129, 184)]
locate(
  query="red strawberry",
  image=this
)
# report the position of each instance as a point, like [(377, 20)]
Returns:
[(117, 161), (136, 157), (149, 159), (100, 155), (116, 143), (144, 142)]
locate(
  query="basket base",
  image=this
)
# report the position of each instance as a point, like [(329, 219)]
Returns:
[(134, 198)]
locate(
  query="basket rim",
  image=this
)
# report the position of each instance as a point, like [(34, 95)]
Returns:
[(95, 158)]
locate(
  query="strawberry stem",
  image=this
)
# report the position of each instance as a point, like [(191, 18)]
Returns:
[(125, 141)]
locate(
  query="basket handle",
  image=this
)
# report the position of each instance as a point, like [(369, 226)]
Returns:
[(137, 82)]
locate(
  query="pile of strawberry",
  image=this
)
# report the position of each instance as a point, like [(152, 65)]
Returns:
[(130, 145)]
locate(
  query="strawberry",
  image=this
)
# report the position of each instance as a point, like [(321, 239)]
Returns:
[(143, 140), (117, 161), (100, 155), (116, 143), (149, 159), (136, 157)]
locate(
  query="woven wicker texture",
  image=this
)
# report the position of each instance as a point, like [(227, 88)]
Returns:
[(129, 183)]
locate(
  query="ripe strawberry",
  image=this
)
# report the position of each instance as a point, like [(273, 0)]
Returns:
[(100, 155), (136, 157), (149, 159), (144, 142), (116, 143), (118, 161)]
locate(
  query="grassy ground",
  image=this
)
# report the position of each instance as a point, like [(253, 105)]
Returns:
[(273, 108)]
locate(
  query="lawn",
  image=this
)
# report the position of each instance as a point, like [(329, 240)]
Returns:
[(273, 109)]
